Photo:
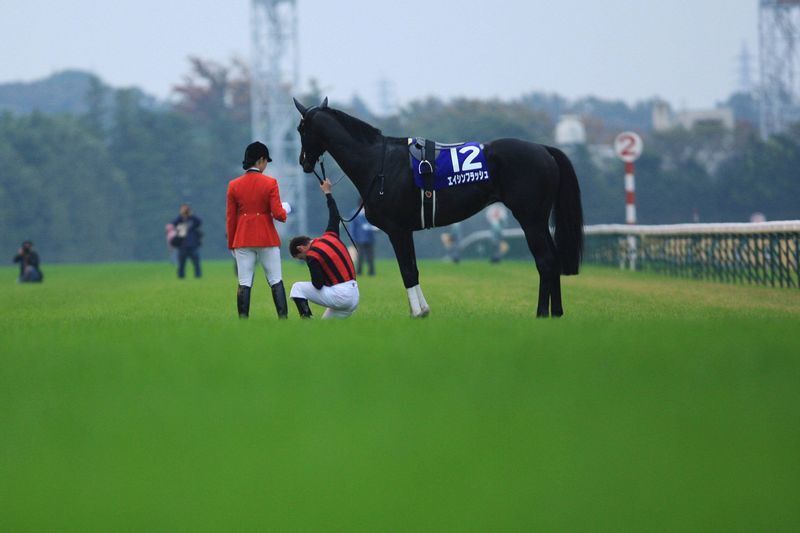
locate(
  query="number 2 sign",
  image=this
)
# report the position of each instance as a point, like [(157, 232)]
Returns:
[(628, 146)]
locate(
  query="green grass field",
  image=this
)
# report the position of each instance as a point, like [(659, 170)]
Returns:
[(131, 401)]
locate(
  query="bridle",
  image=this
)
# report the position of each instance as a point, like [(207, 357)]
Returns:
[(371, 185), (321, 162)]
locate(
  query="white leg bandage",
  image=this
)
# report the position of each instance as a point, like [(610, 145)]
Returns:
[(413, 301), (423, 305)]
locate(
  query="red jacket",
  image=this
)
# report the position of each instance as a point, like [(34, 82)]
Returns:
[(253, 201)]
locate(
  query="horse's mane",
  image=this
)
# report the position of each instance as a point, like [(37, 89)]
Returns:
[(357, 127)]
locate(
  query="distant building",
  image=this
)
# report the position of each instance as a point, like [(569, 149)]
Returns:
[(602, 154), (665, 119), (570, 131)]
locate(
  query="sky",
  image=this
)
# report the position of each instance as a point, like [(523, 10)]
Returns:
[(680, 50)]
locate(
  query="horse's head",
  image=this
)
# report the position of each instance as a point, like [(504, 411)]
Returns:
[(311, 144)]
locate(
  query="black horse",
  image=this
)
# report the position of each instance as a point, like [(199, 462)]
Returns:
[(531, 179)]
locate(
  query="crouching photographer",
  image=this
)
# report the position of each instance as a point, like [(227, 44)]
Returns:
[(28, 260)]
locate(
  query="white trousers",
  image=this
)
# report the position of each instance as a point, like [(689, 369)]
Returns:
[(270, 259), (340, 299)]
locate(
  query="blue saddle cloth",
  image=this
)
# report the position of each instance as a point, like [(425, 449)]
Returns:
[(456, 164)]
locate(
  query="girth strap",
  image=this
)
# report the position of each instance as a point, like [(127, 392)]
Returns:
[(427, 169)]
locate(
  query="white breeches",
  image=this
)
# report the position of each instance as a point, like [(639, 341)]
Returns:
[(270, 259), (340, 299)]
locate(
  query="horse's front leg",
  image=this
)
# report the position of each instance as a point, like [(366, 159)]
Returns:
[(403, 244)]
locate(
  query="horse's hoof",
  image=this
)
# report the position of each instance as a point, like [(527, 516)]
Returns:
[(425, 312)]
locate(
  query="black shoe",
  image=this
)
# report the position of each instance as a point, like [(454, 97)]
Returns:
[(302, 307), (243, 301), (279, 297)]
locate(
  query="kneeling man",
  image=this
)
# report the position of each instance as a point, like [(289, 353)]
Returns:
[(333, 278)]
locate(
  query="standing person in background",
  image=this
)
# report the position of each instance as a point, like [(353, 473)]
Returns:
[(187, 240), (496, 216), (364, 238), (253, 202), (28, 261), (452, 242), (333, 278)]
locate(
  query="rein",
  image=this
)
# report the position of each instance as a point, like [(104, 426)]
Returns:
[(344, 225), (380, 175)]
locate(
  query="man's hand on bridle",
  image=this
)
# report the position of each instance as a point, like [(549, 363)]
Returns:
[(325, 186)]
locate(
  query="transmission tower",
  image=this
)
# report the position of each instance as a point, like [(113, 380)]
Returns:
[(275, 74), (779, 58), (386, 97), (744, 83)]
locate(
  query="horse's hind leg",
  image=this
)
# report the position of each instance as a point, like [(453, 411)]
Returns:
[(556, 308), (541, 246)]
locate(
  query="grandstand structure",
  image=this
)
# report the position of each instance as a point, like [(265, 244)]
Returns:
[(275, 73), (779, 63)]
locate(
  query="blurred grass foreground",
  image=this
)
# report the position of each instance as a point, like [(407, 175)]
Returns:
[(132, 401)]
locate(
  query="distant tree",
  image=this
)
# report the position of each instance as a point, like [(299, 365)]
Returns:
[(601, 191), (358, 107), (99, 102), (100, 184), (745, 108), (607, 118), (707, 145), (154, 149), (762, 176), (315, 94), (550, 104), (214, 92), (60, 188), (474, 120), (615, 115)]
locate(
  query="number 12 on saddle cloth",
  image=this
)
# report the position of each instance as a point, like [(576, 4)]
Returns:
[(457, 164)]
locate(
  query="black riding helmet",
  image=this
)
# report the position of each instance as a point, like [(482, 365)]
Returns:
[(253, 153)]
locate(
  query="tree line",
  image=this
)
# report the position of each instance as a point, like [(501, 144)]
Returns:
[(100, 185)]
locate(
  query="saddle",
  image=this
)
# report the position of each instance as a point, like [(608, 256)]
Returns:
[(432, 170), (418, 147)]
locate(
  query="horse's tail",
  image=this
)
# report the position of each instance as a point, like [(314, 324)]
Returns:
[(568, 215)]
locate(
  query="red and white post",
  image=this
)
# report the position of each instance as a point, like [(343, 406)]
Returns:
[(630, 194), (628, 146)]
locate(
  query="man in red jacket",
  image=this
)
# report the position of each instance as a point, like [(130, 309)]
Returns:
[(253, 201), (333, 278)]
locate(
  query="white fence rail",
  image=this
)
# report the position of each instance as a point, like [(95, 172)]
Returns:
[(766, 253)]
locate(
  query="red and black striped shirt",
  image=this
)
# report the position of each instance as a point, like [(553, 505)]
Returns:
[(330, 253)]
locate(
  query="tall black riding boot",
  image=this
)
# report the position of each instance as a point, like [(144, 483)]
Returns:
[(302, 307), (279, 297), (243, 301)]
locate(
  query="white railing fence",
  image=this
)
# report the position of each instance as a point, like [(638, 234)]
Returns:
[(765, 253)]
